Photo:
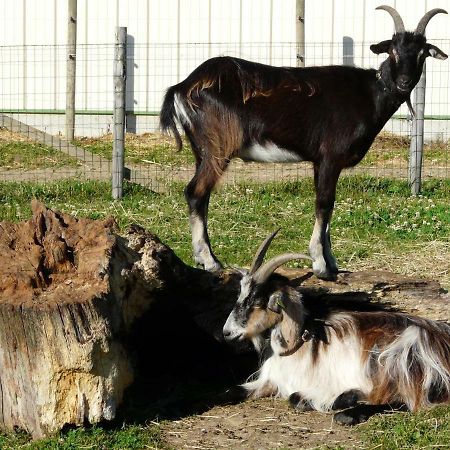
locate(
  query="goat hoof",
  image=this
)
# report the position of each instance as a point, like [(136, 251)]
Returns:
[(344, 418), (299, 403), (323, 271), (213, 266), (348, 399), (327, 276)]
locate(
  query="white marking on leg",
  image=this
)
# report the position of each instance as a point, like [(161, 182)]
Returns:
[(316, 250), (202, 251), (268, 152), (324, 262)]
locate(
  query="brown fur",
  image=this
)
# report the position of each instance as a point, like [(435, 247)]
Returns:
[(261, 319)]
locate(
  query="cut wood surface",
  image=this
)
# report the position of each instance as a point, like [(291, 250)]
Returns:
[(73, 291)]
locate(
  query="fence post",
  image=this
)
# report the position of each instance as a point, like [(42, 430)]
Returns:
[(417, 134), (71, 68), (300, 31), (120, 73)]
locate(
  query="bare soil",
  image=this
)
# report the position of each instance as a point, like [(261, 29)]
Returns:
[(258, 424)]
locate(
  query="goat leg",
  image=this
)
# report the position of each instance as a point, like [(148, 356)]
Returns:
[(325, 179)]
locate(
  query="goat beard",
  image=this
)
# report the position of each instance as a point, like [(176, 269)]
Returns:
[(410, 106)]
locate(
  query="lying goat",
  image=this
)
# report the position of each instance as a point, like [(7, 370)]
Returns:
[(326, 359), (229, 107)]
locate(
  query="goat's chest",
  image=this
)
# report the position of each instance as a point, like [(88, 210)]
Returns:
[(319, 373), (268, 152)]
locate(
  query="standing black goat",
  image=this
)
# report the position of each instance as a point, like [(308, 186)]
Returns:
[(229, 107)]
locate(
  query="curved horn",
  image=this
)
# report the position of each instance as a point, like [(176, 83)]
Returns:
[(264, 272), (398, 21), (261, 252), (426, 18)]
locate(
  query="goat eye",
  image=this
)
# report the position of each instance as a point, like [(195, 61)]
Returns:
[(396, 56)]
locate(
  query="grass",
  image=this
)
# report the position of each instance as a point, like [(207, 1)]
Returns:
[(423, 430), (391, 150), (147, 148), (130, 437), (376, 224), (17, 152), (388, 150)]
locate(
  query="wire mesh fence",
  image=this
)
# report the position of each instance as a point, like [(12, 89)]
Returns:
[(32, 121)]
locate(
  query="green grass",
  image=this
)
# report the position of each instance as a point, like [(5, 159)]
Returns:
[(27, 155), (423, 430), (130, 437), (388, 150), (148, 148), (371, 214), (376, 222)]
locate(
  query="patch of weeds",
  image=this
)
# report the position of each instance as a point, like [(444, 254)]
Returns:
[(426, 429), (129, 437), (26, 155), (372, 215), (147, 148)]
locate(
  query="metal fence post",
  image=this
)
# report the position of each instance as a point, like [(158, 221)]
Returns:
[(71, 68), (417, 135), (120, 73), (300, 31)]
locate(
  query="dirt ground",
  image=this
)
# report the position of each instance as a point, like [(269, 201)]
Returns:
[(258, 424), (270, 423)]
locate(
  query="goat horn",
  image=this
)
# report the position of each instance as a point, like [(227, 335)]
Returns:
[(398, 21), (261, 252), (264, 272), (426, 18)]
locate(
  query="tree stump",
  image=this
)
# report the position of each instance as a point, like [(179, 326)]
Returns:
[(70, 289), (72, 292)]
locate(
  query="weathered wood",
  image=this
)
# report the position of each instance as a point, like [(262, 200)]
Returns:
[(70, 291), (120, 76)]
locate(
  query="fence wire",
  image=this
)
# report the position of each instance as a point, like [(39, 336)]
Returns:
[(32, 120)]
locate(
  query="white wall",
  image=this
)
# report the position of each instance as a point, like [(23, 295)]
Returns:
[(169, 38)]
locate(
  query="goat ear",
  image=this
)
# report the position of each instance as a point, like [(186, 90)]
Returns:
[(435, 52), (287, 334), (381, 47), (275, 302)]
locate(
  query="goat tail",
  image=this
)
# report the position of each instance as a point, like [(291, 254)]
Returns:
[(168, 116), (417, 364)]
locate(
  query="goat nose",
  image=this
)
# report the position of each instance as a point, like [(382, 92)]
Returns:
[(404, 80), (226, 333)]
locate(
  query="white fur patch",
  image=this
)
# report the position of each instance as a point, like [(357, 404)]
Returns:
[(320, 250), (268, 152), (181, 112), (396, 361), (337, 369), (245, 288), (201, 249)]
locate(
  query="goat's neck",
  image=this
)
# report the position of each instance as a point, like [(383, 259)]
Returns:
[(389, 99)]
